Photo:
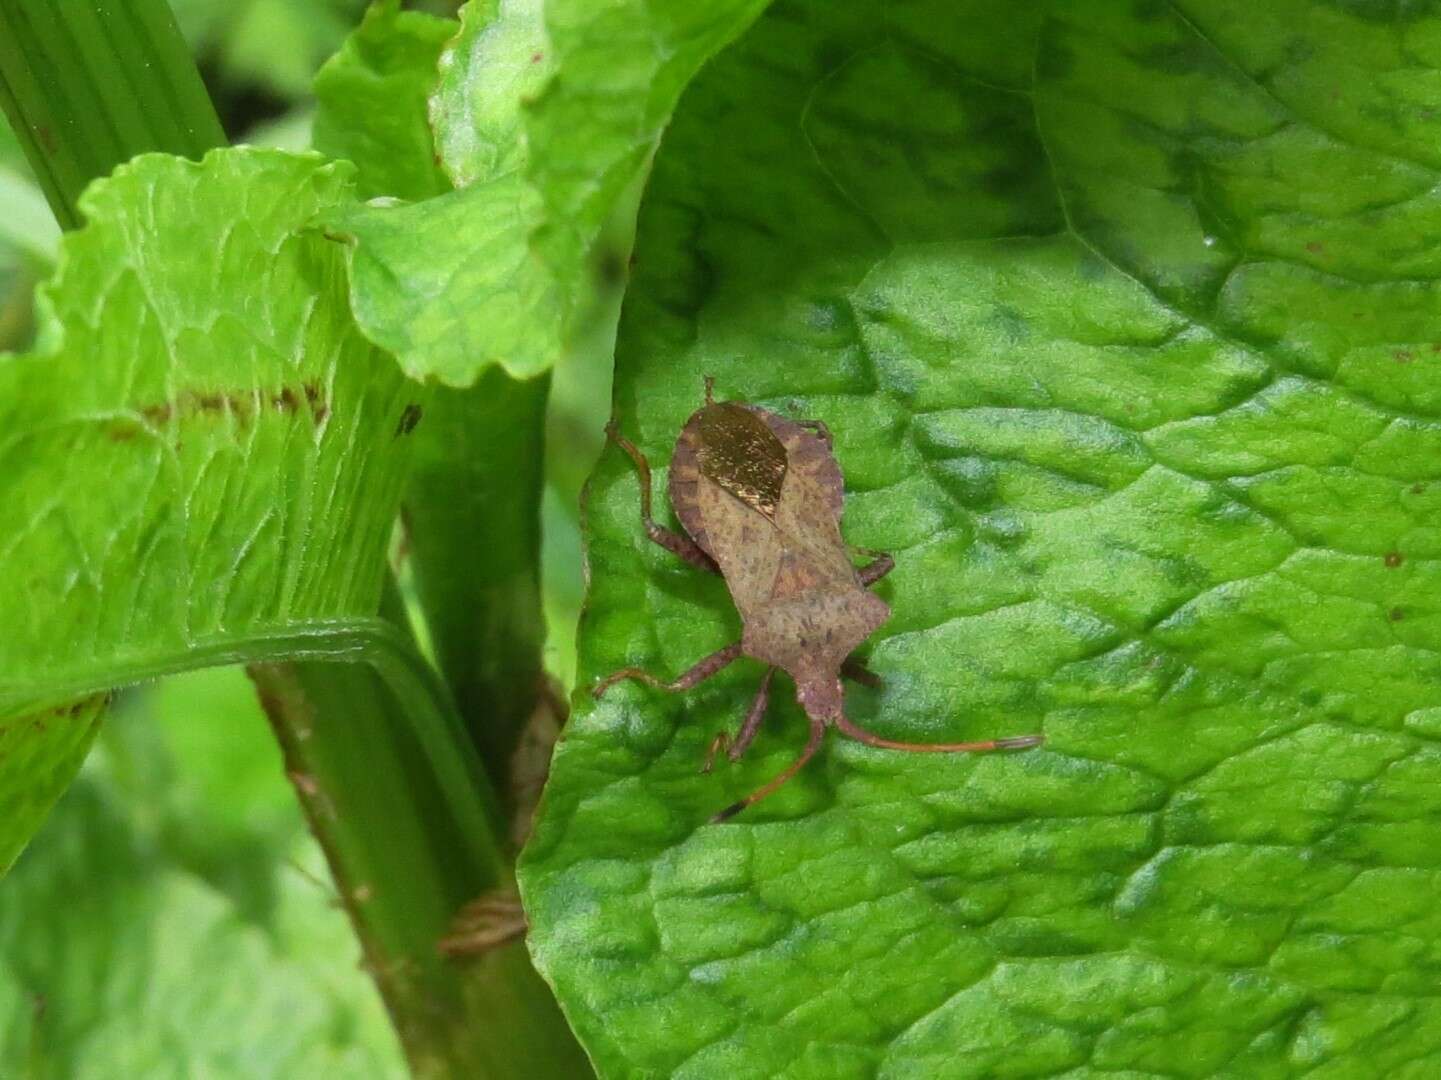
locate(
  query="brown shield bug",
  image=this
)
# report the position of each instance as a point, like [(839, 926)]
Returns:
[(760, 498)]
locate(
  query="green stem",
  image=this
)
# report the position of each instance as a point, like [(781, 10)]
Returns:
[(472, 513), (88, 84), (406, 854)]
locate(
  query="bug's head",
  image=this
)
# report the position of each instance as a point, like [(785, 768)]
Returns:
[(820, 695)]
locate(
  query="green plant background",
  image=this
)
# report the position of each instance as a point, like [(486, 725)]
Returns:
[(1123, 315)]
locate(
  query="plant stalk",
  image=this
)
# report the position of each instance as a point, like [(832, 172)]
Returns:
[(88, 84), (472, 515)]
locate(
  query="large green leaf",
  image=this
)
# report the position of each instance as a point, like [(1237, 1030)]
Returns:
[(494, 272), (202, 455), (1125, 318)]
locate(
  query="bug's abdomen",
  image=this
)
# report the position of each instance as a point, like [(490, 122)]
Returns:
[(814, 630)]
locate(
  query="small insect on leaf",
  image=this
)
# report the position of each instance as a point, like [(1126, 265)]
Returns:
[(760, 497)]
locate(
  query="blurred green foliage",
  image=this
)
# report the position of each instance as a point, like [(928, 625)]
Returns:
[(177, 919)]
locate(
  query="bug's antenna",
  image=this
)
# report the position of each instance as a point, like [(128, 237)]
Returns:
[(860, 734), (818, 732), (710, 389)]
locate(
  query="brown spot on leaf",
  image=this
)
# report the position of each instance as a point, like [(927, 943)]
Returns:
[(243, 405), (1417, 488), (1396, 614), (319, 410), (610, 268), (1394, 559), (536, 58), (1403, 356), (1315, 247), (122, 431)]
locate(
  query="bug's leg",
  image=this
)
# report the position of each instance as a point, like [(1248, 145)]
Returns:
[(701, 671), (860, 734), (681, 546), (822, 432), (710, 389), (721, 742), (752, 724), (855, 669), (872, 572), (754, 716), (818, 731)]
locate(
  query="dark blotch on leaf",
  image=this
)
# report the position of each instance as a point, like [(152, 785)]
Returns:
[(1390, 16), (1011, 324), (1181, 56), (408, 419), (122, 431), (1054, 62), (610, 267), (1394, 559)]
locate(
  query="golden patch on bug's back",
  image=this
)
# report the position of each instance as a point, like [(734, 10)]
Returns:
[(760, 497), (741, 454)]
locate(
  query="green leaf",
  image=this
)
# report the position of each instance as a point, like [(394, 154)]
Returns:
[(177, 920), (201, 455), (39, 756), (371, 101), (1124, 318), (494, 273), (498, 62)]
